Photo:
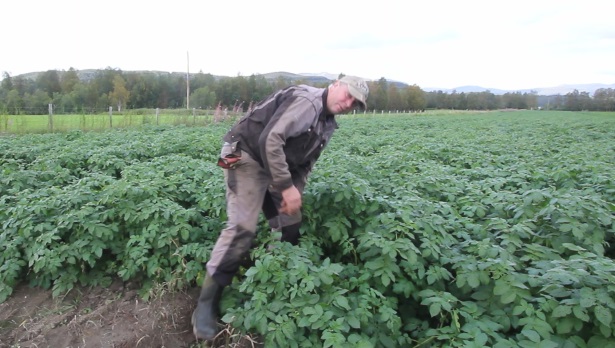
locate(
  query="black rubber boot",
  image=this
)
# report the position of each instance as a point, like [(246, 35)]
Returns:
[(204, 317), (291, 233)]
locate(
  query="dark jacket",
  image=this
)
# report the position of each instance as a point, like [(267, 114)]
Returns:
[(286, 133)]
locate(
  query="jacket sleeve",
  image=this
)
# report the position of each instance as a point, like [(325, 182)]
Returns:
[(292, 118)]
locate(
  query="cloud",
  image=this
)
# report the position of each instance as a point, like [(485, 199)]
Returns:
[(519, 44)]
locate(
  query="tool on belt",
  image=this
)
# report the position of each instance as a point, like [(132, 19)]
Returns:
[(229, 161)]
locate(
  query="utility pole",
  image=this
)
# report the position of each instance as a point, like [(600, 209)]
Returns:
[(187, 81)]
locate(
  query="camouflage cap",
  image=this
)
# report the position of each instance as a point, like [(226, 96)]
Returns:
[(357, 87)]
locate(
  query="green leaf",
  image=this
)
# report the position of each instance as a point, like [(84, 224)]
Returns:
[(531, 334), (508, 297), (481, 339), (605, 331), (473, 280), (587, 301), (603, 315), (384, 278), (308, 310), (342, 302), (185, 234), (289, 329), (501, 288), (518, 310), (561, 311), (580, 313), (353, 322), (548, 344), (364, 344), (326, 278), (572, 247), (434, 309), (564, 325)]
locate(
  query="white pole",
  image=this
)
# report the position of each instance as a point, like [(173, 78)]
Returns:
[(51, 117), (111, 117)]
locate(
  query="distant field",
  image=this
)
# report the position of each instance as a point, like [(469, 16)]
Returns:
[(21, 124), (24, 124)]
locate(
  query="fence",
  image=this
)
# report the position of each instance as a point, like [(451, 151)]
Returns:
[(19, 124)]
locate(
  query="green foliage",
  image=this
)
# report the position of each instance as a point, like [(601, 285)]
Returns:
[(452, 231), (80, 208)]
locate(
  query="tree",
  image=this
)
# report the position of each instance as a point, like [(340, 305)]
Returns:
[(119, 96), (394, 100), (475, 102), (68, 80), (604, 99), (49, 82), (177, 91), (203, 98), (201, 80), (144, 88), (14, 102), (415, 98), (104, 79), (262, 88), (37, 103), (462, 101), (6, 85), (281, 82), (23, 85), (437, 100), (514, 101), (378, 94), (576, 101)]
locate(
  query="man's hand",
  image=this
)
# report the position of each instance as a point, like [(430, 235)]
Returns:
[(291, 201)]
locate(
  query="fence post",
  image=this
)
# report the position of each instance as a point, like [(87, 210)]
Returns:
[(111, 117), (157, 116), (50, 117)]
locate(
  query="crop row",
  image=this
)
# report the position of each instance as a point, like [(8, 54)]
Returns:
[(493, 229)]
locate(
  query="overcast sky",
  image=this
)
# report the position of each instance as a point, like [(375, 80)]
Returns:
[(445, 44)]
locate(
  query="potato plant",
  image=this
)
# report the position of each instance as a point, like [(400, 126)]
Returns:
[(465, 230)]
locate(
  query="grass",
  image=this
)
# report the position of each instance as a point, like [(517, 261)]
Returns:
[(23, 124)]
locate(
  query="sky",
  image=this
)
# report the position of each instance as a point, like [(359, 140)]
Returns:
[(511, 45)]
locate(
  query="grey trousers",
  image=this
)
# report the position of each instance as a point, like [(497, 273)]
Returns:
[(248, 192)]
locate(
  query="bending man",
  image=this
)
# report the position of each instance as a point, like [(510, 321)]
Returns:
[(267, 157)]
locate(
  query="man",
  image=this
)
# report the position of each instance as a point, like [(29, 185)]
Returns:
[(267, 157)]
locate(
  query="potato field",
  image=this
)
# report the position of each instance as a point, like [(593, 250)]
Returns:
[(420, 230)]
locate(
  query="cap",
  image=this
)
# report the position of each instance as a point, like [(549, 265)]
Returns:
[(357, 87)]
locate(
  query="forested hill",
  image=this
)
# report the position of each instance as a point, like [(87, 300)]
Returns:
[(90, 74), (93, 91)]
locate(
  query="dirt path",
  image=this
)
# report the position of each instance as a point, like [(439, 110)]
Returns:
[(101, 317)]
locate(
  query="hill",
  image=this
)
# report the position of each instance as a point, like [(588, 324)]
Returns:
[(590, 88), (325, 78)]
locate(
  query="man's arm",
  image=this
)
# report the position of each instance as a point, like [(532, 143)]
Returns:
[(294, 117)]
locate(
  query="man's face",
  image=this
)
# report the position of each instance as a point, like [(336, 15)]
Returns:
[(339, 100)]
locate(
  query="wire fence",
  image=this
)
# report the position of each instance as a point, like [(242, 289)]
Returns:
[(96, 120)]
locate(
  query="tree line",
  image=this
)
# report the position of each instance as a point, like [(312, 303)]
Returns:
[(72, 92)]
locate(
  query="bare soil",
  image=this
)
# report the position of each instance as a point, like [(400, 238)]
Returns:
[(104, 317)]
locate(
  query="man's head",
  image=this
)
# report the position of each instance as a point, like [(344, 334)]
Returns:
[(346, 94)]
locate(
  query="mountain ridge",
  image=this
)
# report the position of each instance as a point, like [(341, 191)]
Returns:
[(590, 88), (324, 77)]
